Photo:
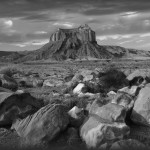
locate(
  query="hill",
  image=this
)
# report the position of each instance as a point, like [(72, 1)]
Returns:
[(78, 43)]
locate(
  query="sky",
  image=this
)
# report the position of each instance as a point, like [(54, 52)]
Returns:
[(28, 24)]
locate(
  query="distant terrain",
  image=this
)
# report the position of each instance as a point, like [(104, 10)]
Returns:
[(74, 44)]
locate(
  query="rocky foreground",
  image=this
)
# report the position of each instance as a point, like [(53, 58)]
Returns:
[(91, 109)]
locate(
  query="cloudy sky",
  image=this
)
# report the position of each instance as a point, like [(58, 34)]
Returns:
[(27, 24)]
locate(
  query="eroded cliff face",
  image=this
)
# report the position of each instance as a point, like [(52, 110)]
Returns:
[(83, 33), (78, 43)]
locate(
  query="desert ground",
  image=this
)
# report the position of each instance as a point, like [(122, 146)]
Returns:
[(50, 83)]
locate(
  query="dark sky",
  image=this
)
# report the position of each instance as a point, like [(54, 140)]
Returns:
[(27, 24)]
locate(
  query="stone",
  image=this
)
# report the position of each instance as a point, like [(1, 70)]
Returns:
[(78, 88), (16, 105), (96, 131), (139, 73), (44, 125), (74, 111), (37, 82), (133, 90), (111, 112), (140, 113), (111, 94), (123, 99), (128, 144), (52, 83)]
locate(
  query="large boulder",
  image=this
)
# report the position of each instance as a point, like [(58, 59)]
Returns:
[(128, 144), (139, 77), (96, 131), (8, 82), (141, 109), (111, 112), (44, 125), (16, 105), (139, 73)]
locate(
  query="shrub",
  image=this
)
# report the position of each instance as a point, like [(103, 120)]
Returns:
[(113, 79), (9, 70)]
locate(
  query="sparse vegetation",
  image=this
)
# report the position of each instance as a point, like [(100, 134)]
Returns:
[(10, 70)]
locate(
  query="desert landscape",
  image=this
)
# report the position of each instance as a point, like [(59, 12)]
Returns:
[(74, 75)]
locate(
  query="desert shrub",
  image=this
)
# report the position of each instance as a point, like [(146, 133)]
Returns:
[(10, 70), (113, 79)]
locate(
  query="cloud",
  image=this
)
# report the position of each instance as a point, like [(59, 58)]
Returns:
[(31, 43), (65, 24), (5, 23)]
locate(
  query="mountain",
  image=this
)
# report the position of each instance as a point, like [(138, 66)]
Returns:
[(78, 43)]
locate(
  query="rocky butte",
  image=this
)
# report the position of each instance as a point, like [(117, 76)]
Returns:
[(76, 44)]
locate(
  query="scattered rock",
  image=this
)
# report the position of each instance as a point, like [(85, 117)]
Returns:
[(96, 132), (52, 83), (78, 88), (74, 111), (16, 105), (44, 125), (111, 112), (123, 99), (141, 109)]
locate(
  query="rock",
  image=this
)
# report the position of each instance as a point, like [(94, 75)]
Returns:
[(111, 112), (52, 83), (43, 126), (78, 88), (123, 99), (25, 82), (141, 109), (111, 94), (16, 105), (139, 73), (96, 104), (96, 131), (74, 111), (128, 144), (133, 90), (8, 82), (77, 116), (37, 82)]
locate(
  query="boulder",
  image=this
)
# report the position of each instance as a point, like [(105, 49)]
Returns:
[(133, 90), (37, 82), (139, 73), (52, 83), (74, 112), (78, 88), (96, 104), (123, 99), (16, 105), (111, 94), (111, 112), (8, 82), (43, 126), (96, 131), (128, 144), (141, 109)]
